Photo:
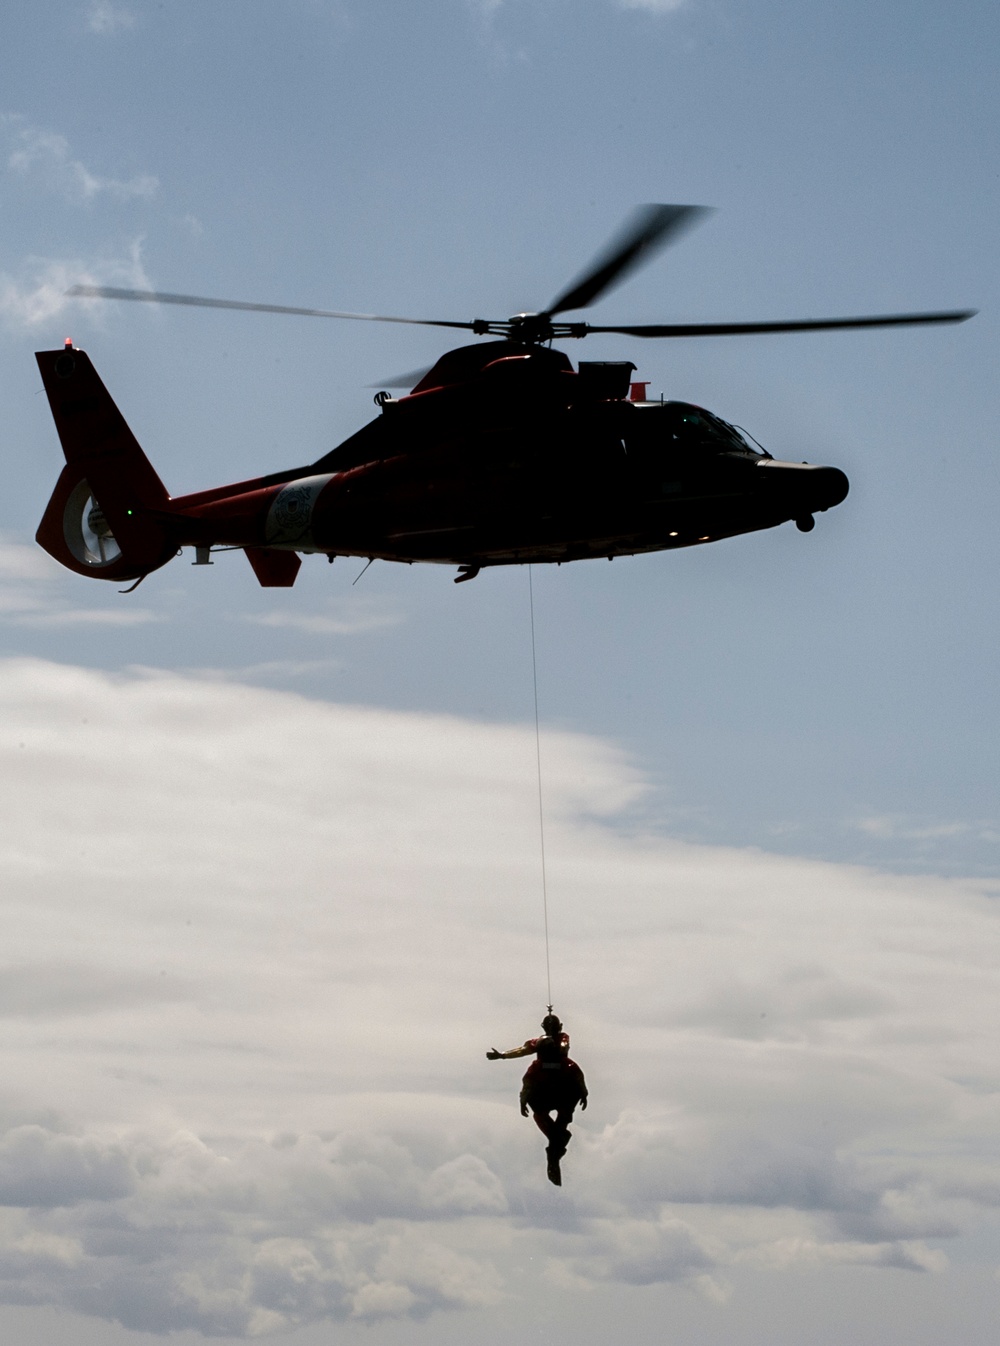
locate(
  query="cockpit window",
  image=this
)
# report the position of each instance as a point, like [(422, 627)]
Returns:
[(689, 424), (659, 427)]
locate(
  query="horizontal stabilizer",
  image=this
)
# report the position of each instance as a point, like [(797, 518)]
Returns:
[(274, 569)]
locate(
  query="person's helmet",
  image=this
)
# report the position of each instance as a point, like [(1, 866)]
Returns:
[(551, 1025)]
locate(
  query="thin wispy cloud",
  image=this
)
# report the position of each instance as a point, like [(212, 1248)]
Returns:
[(652, 6), (192, 225), (892, 825), (105, 17), (63, 617), (927, 835), (487, 10), (43, 157), (349, 618), (34, 593), (485, 14), (37, 293), (308, 922), (24, 565), (268, 670)]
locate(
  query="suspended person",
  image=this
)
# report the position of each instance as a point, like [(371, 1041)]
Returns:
[(551, 1084)]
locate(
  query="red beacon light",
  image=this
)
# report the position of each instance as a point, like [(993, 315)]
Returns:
[(68, 343)]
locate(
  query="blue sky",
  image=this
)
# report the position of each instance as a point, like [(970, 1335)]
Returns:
[(824, 700)]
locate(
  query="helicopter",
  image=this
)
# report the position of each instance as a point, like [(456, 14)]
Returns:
[(501, 454)]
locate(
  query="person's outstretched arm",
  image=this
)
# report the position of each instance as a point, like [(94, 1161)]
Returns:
[(525, 1050)]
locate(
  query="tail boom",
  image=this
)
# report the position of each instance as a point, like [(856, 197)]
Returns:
[(110, 516)]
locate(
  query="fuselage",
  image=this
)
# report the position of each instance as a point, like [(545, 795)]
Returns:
[(502, 454), (521, 464)]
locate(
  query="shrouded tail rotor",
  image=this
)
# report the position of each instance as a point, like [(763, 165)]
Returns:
[(86, 529)]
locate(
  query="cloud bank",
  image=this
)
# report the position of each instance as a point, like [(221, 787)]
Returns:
[(256, 946)]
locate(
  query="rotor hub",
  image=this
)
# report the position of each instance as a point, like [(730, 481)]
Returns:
[(532, 329)]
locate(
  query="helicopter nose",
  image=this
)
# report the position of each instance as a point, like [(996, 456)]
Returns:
[(806, 486), (830, 486)]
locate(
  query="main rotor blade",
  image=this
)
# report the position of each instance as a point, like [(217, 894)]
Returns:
[(198, 301), (807, 325), (649, 229)]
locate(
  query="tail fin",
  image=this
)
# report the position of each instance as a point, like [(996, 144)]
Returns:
[(107, 514)]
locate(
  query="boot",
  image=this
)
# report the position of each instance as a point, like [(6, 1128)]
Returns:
[(554, 1155), (560, 1142)]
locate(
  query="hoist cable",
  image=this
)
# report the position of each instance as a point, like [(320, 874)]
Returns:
[(541, 808)]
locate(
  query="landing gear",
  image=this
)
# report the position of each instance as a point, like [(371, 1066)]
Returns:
[(806, 524)]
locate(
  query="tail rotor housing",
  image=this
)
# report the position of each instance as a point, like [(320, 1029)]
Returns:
[(109, 515)]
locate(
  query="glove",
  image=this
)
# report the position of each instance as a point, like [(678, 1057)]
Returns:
[(524, 1109), (493, 1054), (583, 1103)]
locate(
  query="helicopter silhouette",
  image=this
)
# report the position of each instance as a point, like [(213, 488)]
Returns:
[(501, 454)]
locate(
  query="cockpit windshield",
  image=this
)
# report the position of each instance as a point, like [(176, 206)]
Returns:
[(659, 428), (686, 424)]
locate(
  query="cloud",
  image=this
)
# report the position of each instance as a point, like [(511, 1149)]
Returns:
[(192, 225), (652, 6), (38, 297), (53, 990), (89, 617), (43, 157), (906, 1255), (251, 1238), (24, 565), (105, 17), (791, 1005), (487, 10), (634, 1252), (33, 592), (44, 1169), (890, 827), (268, 669), (349, 618), (256, 946), (38, 293), (485, 14)]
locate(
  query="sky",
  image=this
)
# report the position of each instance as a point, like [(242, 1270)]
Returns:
[(271, 880)]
